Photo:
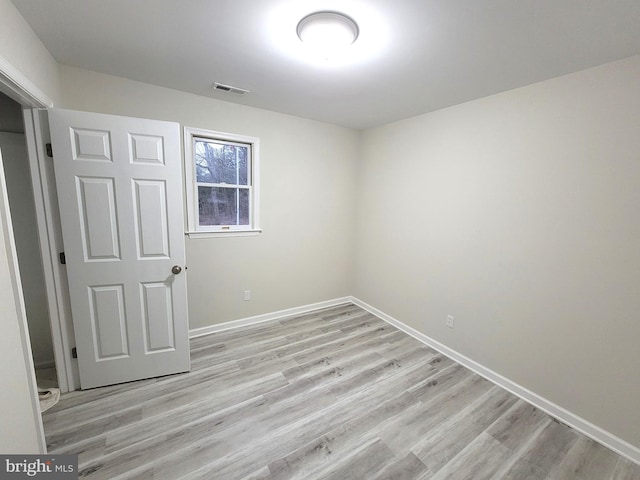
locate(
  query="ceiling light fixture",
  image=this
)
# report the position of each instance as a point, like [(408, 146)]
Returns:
[(327, 33)]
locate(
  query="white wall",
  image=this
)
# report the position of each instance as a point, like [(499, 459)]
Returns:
[(23, 213), (23, 50), (518, 214), (20, 420), (305, 253)]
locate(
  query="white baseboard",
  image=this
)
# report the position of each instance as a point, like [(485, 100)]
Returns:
[(574, 421), (243, 322)]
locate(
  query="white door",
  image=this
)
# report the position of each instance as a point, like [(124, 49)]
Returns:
[(119, 188)]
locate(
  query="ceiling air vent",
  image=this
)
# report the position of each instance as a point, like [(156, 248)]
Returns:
[(221, 87)]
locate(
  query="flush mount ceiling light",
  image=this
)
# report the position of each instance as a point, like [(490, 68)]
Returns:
[(327, 33), (288, 21)]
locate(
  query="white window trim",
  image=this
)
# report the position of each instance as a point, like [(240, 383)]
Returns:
[(193, 230)]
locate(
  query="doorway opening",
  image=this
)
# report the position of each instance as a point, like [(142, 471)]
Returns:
[(25, 231)]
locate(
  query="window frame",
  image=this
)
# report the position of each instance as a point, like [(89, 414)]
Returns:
[(194, 229)]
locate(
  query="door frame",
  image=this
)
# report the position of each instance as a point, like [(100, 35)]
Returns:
[(50, 238), (18, 87)]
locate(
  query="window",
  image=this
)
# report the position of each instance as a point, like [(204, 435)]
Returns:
[(222, 183)]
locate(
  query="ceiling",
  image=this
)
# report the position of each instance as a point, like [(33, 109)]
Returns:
[(413, 56)]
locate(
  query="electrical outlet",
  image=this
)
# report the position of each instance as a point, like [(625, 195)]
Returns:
[(450, 321), (246, 295)]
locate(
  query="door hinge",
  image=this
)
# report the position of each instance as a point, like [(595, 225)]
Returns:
[(74, 352), (49, 150), (63, 258)]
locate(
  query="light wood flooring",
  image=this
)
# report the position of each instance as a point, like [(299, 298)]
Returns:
[(335, 394)]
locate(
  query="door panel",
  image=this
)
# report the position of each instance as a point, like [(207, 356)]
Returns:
[(119, 184), (152, 227), (99, 225), (108, 321), (158, 317), (91, 145), (146, 149)]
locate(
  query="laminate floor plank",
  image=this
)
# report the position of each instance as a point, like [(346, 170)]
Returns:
[(278, 348), (97, 404), (265, 336), (586, 460), (345, 438), (167, 441), (319, 320), (254, 335), (312, 358), (79, 399), (105, 410), (519, 425), (408, 467), (272, 432), (370, 457), (335, 416), (293, 433), (334, 394), (172, 393), (625, 470), (544, 453), (414, 425), (452, 436), (479, 460), (191, 416), (313, 349), (173, 445)]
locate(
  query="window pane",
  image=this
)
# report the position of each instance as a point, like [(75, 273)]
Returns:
[(205, 161), (228, 166), (243, 165), (244, 206), (223, 206), (217, 162), (217, 206)]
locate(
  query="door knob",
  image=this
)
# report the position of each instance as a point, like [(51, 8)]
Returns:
[(176, 269)]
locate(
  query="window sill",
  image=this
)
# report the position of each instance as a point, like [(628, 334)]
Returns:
[(226, 233)]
